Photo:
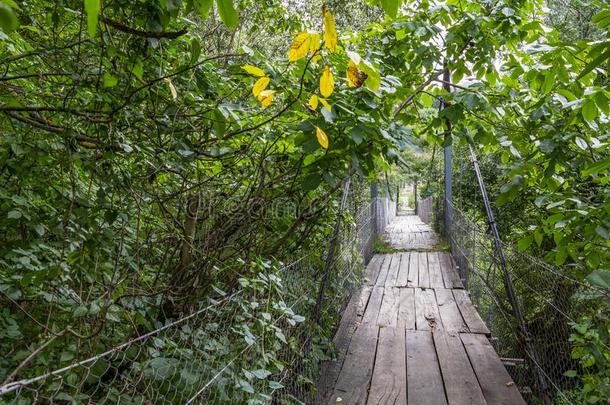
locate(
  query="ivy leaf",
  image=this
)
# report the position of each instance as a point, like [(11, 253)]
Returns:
[(92, 7), (327, 82), (227, 13), (330, 31)]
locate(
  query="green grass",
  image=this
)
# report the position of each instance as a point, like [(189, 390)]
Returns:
[(381, 246)]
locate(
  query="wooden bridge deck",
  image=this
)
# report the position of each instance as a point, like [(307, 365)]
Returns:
[(412, 335)]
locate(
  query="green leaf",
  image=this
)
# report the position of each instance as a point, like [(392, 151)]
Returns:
[(570, 373), (261, 374), (525, 243), (8, 19), (589, 110), (593, 64), (598, 167), (600, 278), (14, 214), (92, 7), (227, 13), (390, 7), (110, 80), (203, 7)]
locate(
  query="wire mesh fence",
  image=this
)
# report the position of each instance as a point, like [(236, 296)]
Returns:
[(547, 296), (260, 342)]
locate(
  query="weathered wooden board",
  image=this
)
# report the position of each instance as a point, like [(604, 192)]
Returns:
[(434, 271), (424, 381), (406, 309), (389, 382), (413, 280), (372, 308), (403, 272), (469, 313), (331, 369), (353, 382), (461, 384), (388, 313), (390, 280), (496, 384), (363, 300), (450, 314), (383, 271), (426, 310), (450, 275), (372, 270), (424, 279)]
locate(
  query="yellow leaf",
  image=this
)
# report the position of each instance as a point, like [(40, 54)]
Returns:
[(327, 83), (325, 104), (172, 89), (314, 47), (253, 70), (322, 138), (299, 47), (313, 102), (265, 97), (260, 85), (330, 32), (355, 77)]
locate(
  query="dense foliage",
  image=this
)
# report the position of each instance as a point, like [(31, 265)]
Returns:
[(153, 149)]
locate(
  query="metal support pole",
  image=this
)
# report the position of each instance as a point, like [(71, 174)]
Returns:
[(330, 257), (374, 207), (415, 196), (448, 154), (508, 282)]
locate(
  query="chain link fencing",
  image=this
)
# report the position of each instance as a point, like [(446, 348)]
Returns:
[(261, 342), (549, 298)]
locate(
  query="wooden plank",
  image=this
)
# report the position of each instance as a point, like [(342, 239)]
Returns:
[(353, 382), (388, 313), (426, 310), (403, 272), (461, 384), (372, 308), (383, 271), (372, 270), (469, 313), (450, 276), (496, 384), (424, 381), (434, 270), (413, 280), (393, 270), (389, 382), (363, 300), (450, 314), (330, 369), (406, 308), (424, 279)]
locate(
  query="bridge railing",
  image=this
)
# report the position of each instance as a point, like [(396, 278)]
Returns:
[(261, 341), (549, 298)]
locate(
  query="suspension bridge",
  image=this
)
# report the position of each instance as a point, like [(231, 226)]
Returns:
[(413, 335), (437, 319)]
